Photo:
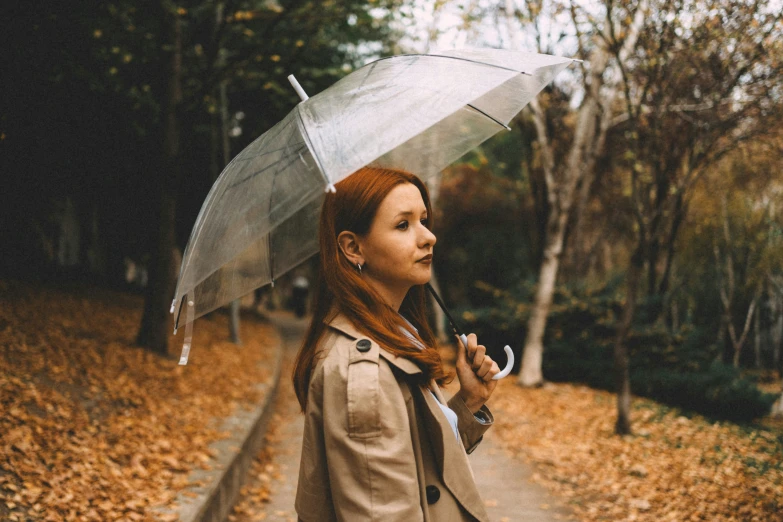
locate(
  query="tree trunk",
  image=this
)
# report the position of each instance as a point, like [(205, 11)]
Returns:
[(656, 225), (95, 256), (777, 337), (233, 323), (621, 357), (757, 339), (530, 373), (735, 358), (724, 341), (740, 343), (69, 244), (561, 196), (540, 195), (777, 330), (155, 323), (581, 255), (726, 289), (680, 210)]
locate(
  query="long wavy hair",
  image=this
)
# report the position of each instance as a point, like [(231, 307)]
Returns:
[(338, 283)]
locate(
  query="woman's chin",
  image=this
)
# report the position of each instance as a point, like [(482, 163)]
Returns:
[(425, 278)]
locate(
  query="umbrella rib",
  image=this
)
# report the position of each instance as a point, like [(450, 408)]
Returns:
[(269, 234), (450, 57), (279, 132), (356, 91), (312, 149), (272, 151), (179, 312), (271, 165), (490, 117), (196, 284), (271, 257)]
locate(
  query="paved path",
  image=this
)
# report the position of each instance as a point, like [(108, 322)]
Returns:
[(271, 485), (506, 487), (504, 482)]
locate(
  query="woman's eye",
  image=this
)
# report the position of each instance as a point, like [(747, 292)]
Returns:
[(404, 224)]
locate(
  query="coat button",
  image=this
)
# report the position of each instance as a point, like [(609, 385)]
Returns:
[(363, 345), (433, 494)]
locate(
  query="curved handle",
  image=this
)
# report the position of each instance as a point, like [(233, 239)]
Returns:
[(509, 354)]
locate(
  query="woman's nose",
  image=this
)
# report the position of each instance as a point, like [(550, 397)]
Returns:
[(427, 237)]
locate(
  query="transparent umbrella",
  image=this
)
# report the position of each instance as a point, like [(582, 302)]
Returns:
[(413, 112)]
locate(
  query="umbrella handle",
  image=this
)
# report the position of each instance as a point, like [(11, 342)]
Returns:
[(509, 354)]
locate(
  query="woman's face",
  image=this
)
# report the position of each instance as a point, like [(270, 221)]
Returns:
[(397, 241)]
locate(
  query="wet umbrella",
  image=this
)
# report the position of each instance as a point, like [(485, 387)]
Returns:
[(415, 112)]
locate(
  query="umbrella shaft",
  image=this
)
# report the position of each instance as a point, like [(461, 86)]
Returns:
[(457, 329)]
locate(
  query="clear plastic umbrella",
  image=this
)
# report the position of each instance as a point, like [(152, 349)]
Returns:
[(413, 112)]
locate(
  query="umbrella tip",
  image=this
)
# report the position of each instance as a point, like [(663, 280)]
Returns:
[(297, 87), (330, 188)]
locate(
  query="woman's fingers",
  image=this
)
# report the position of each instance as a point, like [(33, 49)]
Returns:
[(494, 370), (486, 367), (478, 357), (471, 347), (461, 351)]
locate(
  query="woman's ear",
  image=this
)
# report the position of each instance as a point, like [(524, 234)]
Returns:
[(349, 245)]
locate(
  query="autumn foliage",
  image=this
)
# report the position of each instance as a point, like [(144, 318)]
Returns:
[(94, 428), (673, 468)]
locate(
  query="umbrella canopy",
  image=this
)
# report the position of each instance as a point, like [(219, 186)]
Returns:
[(413, 112)]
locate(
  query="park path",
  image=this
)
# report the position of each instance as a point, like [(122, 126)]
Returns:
[(503, 481)]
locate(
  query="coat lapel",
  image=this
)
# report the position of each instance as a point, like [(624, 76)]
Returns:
[(340, 322), (455, 469)]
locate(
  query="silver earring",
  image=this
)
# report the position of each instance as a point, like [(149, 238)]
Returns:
[(359, 267)]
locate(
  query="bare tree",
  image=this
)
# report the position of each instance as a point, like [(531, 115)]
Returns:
[(688, 103), (777, 335), (727, 288), (776, 309), (154, 329), (593, 118)]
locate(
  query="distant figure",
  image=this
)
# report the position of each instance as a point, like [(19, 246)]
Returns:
[(301, 286), (135, 273), (258, 296)]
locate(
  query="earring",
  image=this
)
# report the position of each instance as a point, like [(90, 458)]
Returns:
[(359, 267)]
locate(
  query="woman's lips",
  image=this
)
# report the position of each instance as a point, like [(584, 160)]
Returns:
[(425, 259)]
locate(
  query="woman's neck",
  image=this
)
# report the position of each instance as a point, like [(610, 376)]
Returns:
[(391, 296)]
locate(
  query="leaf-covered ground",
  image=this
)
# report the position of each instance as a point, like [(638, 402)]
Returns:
[(95, 428), (673, 467)]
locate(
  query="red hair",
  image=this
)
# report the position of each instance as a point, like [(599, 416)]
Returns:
[(338, 283)]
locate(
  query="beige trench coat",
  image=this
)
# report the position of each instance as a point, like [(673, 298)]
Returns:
[(378, 447)]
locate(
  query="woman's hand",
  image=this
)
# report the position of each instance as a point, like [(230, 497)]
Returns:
[(475, 370)]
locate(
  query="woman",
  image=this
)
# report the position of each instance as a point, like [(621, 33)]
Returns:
[(380, 440)]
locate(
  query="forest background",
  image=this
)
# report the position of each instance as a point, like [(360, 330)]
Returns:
[(626, 233)]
